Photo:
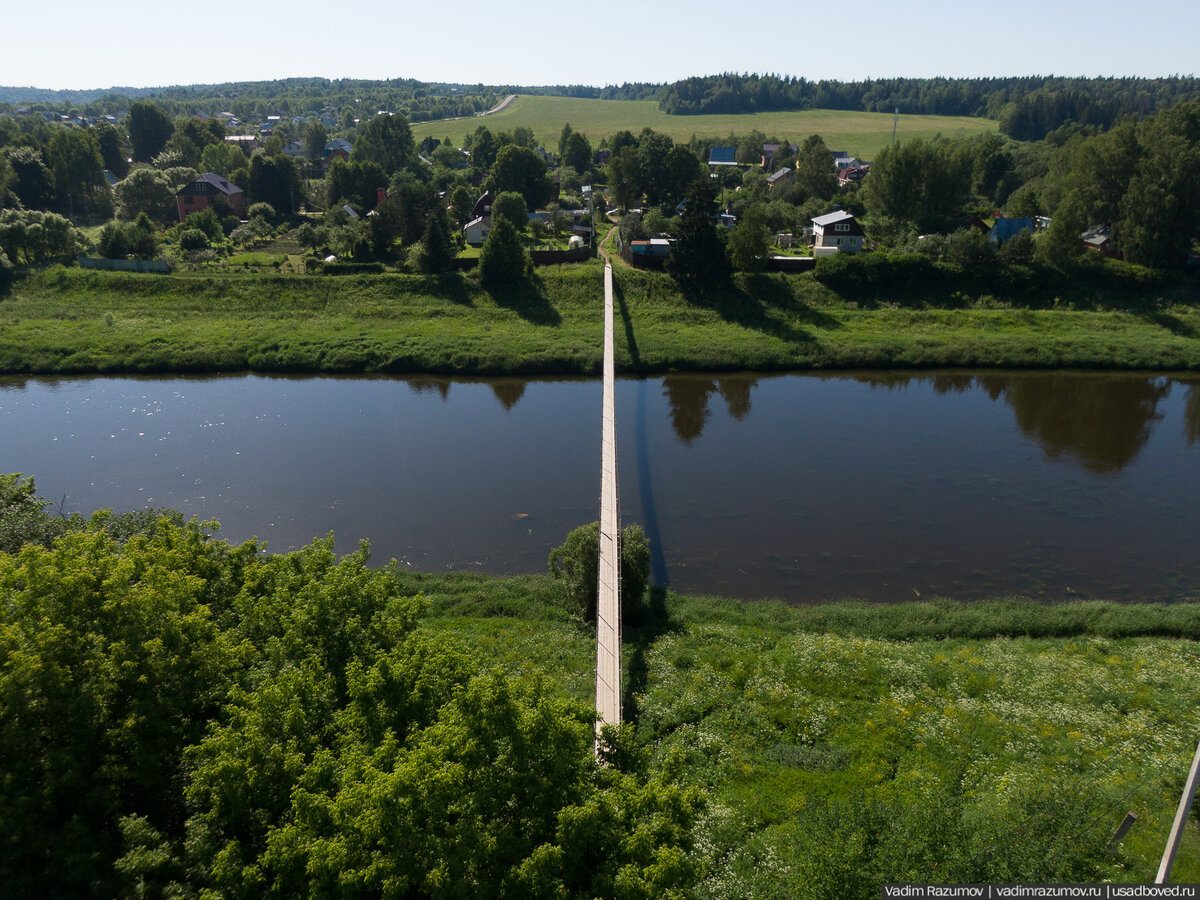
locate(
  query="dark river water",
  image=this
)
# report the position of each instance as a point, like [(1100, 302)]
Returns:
[(880, 486)]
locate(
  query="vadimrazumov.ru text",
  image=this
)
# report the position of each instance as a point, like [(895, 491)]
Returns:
[(1022, 891)]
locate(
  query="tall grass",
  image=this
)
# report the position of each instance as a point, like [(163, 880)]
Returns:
[(845, 745)]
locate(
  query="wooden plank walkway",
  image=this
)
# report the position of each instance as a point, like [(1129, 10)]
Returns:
[(608, 608)]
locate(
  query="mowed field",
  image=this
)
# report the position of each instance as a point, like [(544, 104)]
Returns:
[(861, 134)]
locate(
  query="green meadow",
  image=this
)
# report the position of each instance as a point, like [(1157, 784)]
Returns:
[(861, 134), (844, 745)]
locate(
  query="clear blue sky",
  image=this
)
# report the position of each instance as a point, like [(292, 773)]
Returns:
[(73, 44)]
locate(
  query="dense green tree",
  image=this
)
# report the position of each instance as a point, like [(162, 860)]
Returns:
[(511, 206), (78, 168), (578, 153), (222, 158), (112, 149), (503, 260), (654, 176), (483, 148), (698, 255), (750, 241), (25, 518), (1140, 179), (387, 141), (924, 183), (462, 202), (520, 169), (201, 133), (404, 213), (139, 238), (575, 567), (523, 136), (274, 180), (179, 150), (356, 183), (149, 129), (33, 182), (623, 178), (815, 174), (31, 236), (564, 139), (436, 252), (146, 191), (315, 139), (7, 180), (113, 664)]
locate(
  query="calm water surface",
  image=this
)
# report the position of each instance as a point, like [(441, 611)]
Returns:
[(881, 486)]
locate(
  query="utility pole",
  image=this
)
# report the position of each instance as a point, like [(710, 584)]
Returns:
[(1181, 815), (895, 122)]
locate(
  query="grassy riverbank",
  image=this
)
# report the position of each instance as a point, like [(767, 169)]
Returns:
[(69, 321), (847, 744)]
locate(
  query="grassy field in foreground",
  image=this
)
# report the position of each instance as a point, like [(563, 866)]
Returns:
[(69, 321), (846, 744), (861, 134)]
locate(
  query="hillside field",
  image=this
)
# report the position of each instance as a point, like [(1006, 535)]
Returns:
[(861, 134)]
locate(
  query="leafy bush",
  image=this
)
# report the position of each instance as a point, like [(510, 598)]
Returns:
[(265, 210), (193, 239), (179, 717), (25, 517), (862, 272), (576, 567)]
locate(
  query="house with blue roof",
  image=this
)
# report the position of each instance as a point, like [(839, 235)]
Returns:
[(1005, 229), (722, 156)]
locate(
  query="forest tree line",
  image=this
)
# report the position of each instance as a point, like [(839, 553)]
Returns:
[(1028, 107)]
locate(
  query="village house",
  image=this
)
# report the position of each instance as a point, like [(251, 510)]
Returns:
[(1006, 228), (780, 177), (204, 191), (247, 143), (1099, 239), (476, 231), (722, 156), (772, 153), (836, 232), (852, 175), (338, 148)]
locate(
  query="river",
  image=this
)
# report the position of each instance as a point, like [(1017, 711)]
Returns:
[(881, 486)]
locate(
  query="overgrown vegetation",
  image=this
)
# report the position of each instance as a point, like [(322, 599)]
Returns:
[(180, 716)]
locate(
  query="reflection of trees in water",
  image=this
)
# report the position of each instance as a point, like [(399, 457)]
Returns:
[(425, 385), (736, 391), (1191, 415), (508, 391), (952, 384), (1102, 421), (688, 397)]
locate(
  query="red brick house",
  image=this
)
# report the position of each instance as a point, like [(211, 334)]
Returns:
[(202, 192)]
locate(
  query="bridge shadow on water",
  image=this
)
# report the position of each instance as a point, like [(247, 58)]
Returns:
[(647, 620)]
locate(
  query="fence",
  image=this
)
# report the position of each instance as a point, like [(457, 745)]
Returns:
[(124, 265)]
